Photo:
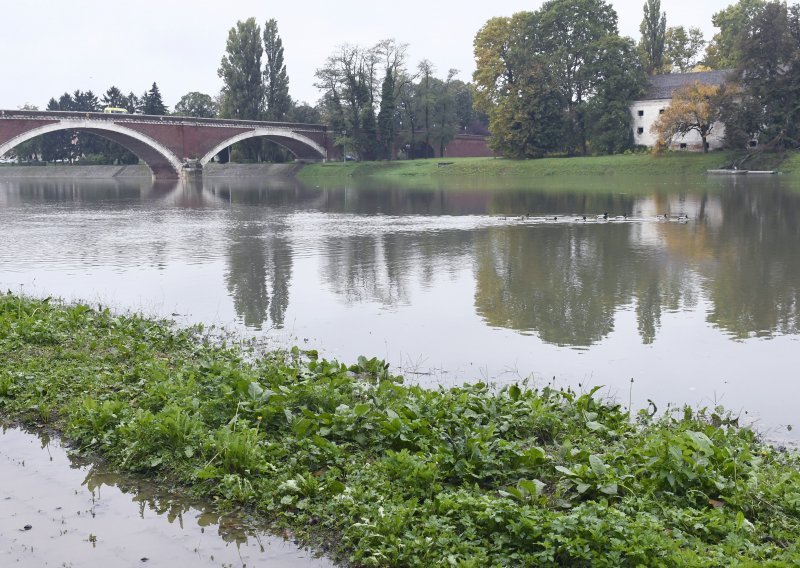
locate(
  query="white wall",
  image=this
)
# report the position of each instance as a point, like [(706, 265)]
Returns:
[(650, 112)]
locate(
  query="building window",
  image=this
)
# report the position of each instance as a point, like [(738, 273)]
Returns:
[(753, 143), (640, 130), (683, 145), (641, 113), (661, 111)]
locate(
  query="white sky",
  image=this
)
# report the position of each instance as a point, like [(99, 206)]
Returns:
[(52, 46)]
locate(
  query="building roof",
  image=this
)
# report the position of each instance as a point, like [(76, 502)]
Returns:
[(662, 86)]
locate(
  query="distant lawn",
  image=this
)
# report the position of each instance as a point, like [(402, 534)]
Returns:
[(677, 163)]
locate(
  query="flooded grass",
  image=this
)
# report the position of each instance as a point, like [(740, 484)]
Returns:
[(383, 474)]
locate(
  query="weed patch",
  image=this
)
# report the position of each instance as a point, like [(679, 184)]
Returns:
[(396, 475)]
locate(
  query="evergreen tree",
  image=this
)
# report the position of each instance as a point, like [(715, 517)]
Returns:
[(653, 29), (152, 102), (386, 116), (114, 98), (132, 103), (276, 80)]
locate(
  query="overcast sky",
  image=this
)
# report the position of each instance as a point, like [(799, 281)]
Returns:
[(52, 46)]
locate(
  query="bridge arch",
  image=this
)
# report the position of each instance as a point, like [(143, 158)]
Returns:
[(300, 146), (161, 160)]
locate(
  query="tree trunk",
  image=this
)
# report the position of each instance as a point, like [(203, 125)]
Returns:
[(705, 145)]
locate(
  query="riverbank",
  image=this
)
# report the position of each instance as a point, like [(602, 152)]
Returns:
[(384, 474), (639, 165), (140, 171)]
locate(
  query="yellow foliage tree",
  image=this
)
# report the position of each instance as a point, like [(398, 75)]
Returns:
[(695, 107)]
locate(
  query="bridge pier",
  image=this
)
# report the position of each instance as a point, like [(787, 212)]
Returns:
[(192, 170)]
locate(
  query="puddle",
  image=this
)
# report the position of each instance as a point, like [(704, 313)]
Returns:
[(56, 510)]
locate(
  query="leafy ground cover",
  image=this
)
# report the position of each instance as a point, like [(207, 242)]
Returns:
[(385, 474)]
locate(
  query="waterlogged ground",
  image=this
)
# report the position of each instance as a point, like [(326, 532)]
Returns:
[(464, 282), (58, 511)]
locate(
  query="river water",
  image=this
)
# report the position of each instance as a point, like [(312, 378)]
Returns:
[(476, 280)]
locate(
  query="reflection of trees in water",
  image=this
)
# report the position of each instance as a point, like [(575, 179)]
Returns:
[(259, 266), (566, 283), (379, 268), (755, 285)]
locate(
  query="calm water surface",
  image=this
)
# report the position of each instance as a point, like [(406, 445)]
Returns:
[(469, 282)]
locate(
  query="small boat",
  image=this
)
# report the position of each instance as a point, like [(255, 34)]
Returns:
[(726, 172), (740, 172)]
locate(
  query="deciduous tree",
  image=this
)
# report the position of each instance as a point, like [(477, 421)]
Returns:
[(653, 29), (723, 51), (276, 80), (196, 104), (241, 74), (696, 107), (683, 48)]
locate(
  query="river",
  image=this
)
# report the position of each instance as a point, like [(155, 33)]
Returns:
[(465, 281)]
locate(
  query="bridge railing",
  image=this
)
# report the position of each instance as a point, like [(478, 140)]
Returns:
[(168, 119)]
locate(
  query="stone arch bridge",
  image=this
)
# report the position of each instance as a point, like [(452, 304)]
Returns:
[(170, 145)]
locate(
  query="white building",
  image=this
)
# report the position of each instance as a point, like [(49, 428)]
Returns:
[(658, 97)]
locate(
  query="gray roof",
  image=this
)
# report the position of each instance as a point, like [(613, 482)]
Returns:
[(662, 86)]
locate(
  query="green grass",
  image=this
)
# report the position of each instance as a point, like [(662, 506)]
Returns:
[(670, 164), (393, 475)]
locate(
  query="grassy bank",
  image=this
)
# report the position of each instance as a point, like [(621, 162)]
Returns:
[(678, 163), (635, 165), (393, 475)]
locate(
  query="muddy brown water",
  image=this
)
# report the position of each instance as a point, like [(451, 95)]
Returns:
[(56, 510)]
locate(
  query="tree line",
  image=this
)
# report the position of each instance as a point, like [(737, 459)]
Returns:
[(558, 80), (758, 46)]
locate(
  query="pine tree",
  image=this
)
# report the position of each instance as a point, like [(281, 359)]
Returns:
[(114, 98), (386, 116), (152, 102)]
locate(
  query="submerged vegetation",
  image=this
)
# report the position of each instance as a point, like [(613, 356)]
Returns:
[(392, 475)]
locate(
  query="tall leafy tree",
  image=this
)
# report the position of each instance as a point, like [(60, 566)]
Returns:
[(570, 32), (348, 81), (276, 80), (653, 29), (196, 104), (444, 125), (621, 80), (241, 74), (683, 48), (769, 72), (724, 50), (540, 77), (242, 77)]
